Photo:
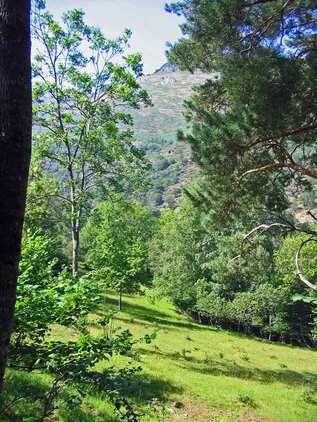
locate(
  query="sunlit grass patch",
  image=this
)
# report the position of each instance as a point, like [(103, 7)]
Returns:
[(190, 372)]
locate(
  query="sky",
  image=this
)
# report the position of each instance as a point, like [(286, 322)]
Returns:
[(151, 26)]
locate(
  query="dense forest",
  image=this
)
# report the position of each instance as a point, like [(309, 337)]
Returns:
[(183, 200)]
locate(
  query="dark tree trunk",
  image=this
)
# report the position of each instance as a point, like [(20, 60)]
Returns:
[(15, 152), (120, 300)]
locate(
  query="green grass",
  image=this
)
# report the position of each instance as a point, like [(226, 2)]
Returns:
[(198, 373), (23, 392)]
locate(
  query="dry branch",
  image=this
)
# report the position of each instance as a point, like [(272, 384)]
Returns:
[(298, 264)]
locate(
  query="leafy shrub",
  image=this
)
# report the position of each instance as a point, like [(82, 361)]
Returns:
[(309, 396), (115, 240), (45, 298), (247, 400), (194, 265)]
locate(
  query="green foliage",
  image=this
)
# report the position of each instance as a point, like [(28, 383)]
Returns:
[(285, 261), (261, 311), (252, 135), (116, 243), (76, 97), (47, 298), (254, 114), (304, 301), (44, 209), (81, 83), (175, 255), (280, 379), (253, 121), (215, 277)]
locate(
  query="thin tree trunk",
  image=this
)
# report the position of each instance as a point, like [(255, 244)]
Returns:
[(75, 244), (75, 223), (15, 152), (120, 299)]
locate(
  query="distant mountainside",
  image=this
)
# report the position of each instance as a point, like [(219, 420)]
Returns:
[(156, 132), (166, 68)]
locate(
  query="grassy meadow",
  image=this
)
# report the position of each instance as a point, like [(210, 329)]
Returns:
[(194, 373)]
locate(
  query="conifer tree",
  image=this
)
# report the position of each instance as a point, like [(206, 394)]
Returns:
[(15, 142), (254, 122)]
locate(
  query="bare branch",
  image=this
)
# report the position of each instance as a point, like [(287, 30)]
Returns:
[(265, 227), (298, 264), (290, 165), (292, 132), (256, 2), (312, 215)]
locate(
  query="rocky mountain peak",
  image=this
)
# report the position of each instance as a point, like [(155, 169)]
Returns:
[(166, 68)]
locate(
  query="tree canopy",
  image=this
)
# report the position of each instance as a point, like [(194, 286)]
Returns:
[(254, 120), (82, 81), (116, 243)]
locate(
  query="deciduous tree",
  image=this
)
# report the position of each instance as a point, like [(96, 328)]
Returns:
[(116, 241), (83, 81)]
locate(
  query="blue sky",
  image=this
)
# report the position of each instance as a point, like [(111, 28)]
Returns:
[(152, 27)]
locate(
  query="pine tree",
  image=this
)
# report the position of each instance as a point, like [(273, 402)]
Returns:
[(15, 140), (254, 122)]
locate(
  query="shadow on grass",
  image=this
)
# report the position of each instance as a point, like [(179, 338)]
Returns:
[(144, 388), (232, 369), (159, 318), (152, 316), (89, 415), (23, 396), (20, 396), (22, 400)]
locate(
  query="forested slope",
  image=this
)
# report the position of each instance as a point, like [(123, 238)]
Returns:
[(156, 132)]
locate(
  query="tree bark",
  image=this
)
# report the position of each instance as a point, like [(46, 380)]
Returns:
[(75, 244), (120, 300), (15, 152), (310, 172), (75, 220)]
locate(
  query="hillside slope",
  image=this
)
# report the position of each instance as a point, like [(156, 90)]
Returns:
[(203, 374), (191, 373), (156, 132)]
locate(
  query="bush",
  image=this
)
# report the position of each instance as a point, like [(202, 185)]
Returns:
[(45, 298)]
